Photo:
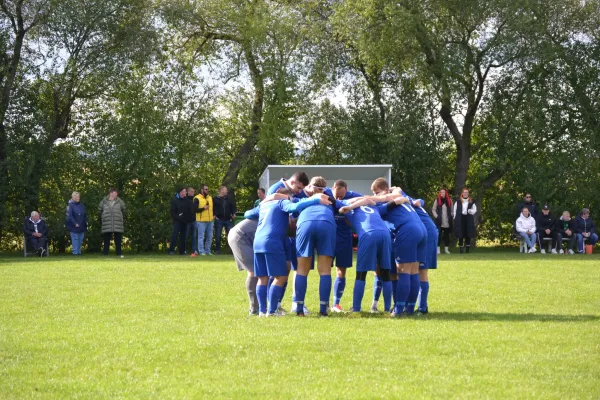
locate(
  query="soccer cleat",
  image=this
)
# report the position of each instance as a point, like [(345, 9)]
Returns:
[(542, 251), (262, 315), (275, 314), (281, 311), (300, 314), (553, 251), (323, 314), (252, 313), (571, 251), (374, 309), (337, 309), (400, 315), (425, 311)]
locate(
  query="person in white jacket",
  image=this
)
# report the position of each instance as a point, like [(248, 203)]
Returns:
[(526, 228)]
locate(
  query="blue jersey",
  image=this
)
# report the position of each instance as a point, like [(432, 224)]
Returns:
[(271, 232), (344, 231), (401, 216), (424, 217), (366, 219), (320, 212)]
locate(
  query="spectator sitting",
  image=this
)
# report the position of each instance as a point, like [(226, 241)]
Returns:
[(529, 204), (261, 196), (526, 228), (36, 233), (564, 231), (584, 228), (224, 216), (546, 228)]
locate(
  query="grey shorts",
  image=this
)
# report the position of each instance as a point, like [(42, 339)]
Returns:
[(241, 239)]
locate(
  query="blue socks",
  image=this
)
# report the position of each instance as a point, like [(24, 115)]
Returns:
[(387, 295), (282, 293), (300, 289), (413, 293), (394, 286), (402, 292), (324, 292), (424, 293), (338, 290), (377, 285), (261, 294), (359, 292), (274, 297)]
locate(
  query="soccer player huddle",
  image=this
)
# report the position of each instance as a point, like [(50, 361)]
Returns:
[(397, 240)]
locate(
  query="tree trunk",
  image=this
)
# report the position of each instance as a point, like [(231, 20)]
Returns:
[(256, 121)]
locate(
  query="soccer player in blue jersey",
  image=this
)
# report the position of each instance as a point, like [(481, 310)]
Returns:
[(374, 245), (431, 253), (316, 231), (295, 185), (343, 244), (270, 247), (409, 245)]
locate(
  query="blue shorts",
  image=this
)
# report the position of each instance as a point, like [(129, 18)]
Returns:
[(373, 250), (315, 235), (410, 243), (270, 264), (343, 252), (432, 243)]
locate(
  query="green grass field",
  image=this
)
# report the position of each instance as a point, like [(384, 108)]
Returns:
[(501, 325)]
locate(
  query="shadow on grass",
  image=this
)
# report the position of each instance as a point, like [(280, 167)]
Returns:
[(479, 316)]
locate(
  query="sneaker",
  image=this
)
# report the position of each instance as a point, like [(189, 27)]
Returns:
[(43, 253), (208, 253), (554, 251), (571, 251), (561, 251), (218, 252), (446, 251), (202, 254), (532, 250), (337, 309), (194, 254), (542, 251), (171, 253), (374, 309)]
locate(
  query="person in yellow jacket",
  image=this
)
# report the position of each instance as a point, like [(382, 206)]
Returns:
[(205, 216)]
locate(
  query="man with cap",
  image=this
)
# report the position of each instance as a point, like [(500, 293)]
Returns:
[(546, 227)]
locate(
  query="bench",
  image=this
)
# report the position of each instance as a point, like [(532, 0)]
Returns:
[(548, 241)]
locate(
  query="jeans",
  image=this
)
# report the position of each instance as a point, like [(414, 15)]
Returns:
[(205, 230), (219, 225), (593, 239), (118, 238), (191, 231), (76, 241), (179, 229), (529, 239)]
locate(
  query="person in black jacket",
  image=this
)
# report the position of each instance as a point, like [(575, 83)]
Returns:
[(546, 227), (224, 210), (528, 203), (36, 233), (564, 231), (180, 212), (191, 224)]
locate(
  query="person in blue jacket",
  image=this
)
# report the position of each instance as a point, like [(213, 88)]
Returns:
[(584, 227), (270, 256), (76, 222)]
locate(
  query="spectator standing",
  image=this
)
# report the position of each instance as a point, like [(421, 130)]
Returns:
[(464, 220), (546, 227), (191, 223), (224, 216), (180, 213), (530, 204), (36, 233), (261, 196), (564, 231), (76, 223), (526, 228), (442, 214), (584, 228), (112, 210), (203, 203)]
